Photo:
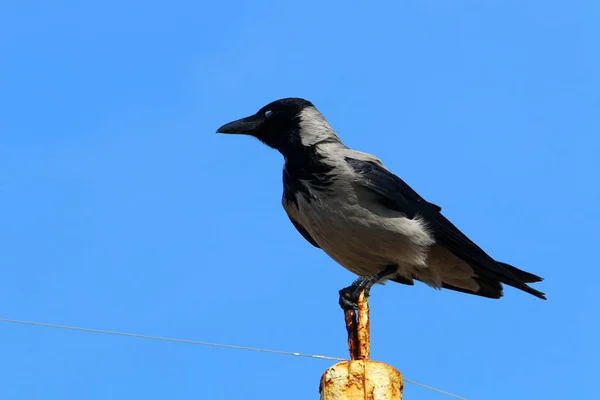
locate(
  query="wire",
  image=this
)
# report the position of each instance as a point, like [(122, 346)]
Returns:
[(227, 346), (166, 339), (435, 389)]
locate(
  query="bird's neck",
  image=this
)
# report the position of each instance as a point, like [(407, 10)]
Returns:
[(314, 129)]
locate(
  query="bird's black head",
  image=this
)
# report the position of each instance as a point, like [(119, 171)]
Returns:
[(278, 124)]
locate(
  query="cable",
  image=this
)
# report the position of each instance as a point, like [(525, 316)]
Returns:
[(165, 339), (227, 346)]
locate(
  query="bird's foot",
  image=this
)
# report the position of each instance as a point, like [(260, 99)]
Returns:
[(349, 295)]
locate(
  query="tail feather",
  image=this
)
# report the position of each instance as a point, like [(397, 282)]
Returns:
[(489, 288), (513, 277), (524, 276)]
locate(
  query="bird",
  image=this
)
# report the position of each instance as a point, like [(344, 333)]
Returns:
[(364, 217)]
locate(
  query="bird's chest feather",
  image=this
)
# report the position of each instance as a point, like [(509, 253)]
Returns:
[(306, 176), (344, 225), (335, 219), (313, 197)]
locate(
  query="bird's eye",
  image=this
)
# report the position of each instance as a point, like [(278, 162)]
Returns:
[(268, 113)]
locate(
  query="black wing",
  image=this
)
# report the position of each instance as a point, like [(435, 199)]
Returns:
[(395, 194), (304, 232)]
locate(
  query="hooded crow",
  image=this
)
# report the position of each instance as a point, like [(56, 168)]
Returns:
[(370, 221)]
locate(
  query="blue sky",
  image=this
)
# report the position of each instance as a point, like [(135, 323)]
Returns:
[(121, 208)]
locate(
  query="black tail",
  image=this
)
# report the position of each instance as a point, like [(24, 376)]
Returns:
[(524, 276), (491, 286), (516, 278)]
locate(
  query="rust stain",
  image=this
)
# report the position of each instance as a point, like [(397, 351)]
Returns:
[(358, 327), (363, 328), (361, 379), (352, 329)]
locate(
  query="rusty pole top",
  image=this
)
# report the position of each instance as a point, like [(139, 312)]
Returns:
[(361, 378), (359, 330)]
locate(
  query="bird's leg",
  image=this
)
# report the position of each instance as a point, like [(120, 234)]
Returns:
[(349, 295)]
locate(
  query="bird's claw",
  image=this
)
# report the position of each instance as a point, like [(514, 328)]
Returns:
[(349, 295), (347, 299)]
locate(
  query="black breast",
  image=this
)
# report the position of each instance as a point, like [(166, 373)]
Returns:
[(308, 166)]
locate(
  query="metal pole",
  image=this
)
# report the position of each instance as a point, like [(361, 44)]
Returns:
[(360, 378)]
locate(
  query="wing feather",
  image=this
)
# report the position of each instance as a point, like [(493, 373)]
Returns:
[(397, 195)]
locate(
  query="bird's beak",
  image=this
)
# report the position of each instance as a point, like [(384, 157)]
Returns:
[(244, 126)]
